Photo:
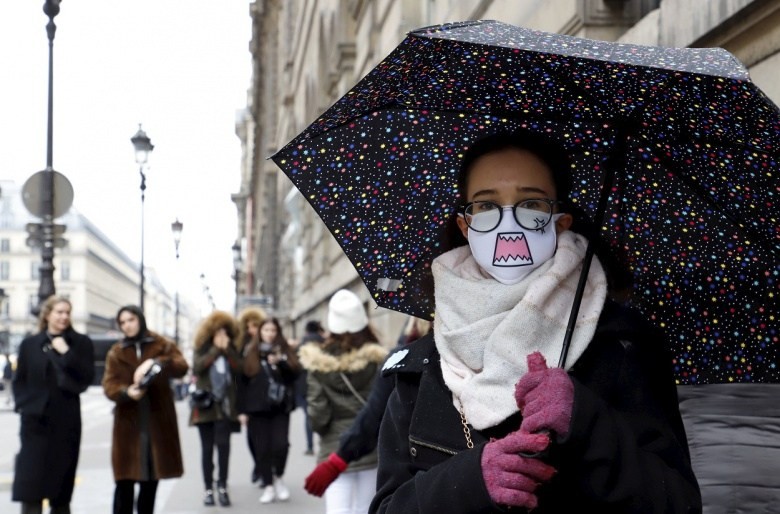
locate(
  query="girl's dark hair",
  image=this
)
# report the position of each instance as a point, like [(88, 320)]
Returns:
[(552, 154), (280, 341), (557, 159), (134, 309), (342, 343)]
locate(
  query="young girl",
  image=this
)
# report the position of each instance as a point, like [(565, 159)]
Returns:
[(271, 367), (478, 422)]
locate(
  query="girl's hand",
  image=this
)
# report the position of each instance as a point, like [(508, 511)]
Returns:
[(141, 370), (135, 392), (59, 344), (273, 358), (221, 339)]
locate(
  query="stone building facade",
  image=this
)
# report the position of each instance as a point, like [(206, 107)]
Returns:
[(307, 54)]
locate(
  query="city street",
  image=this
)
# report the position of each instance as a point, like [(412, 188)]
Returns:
[(94, 480)]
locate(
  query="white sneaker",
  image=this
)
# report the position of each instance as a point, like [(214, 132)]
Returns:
[(268, 494), (282, 493)]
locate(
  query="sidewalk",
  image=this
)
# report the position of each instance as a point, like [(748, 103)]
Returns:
[(185, 495), (94, 489)]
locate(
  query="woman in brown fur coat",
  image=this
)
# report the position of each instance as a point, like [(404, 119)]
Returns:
[(217, 364), (145, 445)]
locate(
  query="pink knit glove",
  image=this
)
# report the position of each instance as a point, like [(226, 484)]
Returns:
[(545, 397), (510, 478)]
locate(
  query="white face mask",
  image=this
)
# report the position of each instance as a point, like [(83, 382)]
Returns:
[(510, 252)]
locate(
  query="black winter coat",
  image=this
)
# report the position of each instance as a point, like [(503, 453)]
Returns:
[(626, 451), (46, 389)]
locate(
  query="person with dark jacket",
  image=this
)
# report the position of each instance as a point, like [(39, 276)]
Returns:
[(478, 422), (145, 445), (217, 364), (312, 334), (249, 321), (341, 373), (271, 366), (53, 368)]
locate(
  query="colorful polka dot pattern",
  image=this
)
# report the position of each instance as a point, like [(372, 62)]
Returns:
[(692, 212)]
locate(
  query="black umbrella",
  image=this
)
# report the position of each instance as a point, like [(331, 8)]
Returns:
[(682, 144)]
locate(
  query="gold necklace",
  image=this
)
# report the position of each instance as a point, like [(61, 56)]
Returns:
[(466, 429)]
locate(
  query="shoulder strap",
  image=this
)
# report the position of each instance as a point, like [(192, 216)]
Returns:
[(352, 388)]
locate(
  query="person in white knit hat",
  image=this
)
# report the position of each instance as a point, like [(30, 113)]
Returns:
[(340, 375), (478, 421)]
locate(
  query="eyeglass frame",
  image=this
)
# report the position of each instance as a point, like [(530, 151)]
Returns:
[(501, 209)]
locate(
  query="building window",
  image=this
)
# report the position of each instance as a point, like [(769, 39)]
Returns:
[(5, 313), (35, 270), (33, 302), (65, 270), (5, 245), (5, 270)]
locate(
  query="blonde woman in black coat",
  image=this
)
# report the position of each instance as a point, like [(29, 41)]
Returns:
[(54, 367)]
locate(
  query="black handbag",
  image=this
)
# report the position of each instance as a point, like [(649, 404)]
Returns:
[(201, 399)]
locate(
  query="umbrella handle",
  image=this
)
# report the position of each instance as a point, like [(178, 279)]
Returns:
[(606, 186), (543, 453), (575, 306)]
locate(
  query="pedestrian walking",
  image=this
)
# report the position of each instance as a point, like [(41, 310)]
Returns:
[(145, 444), (341, 373), (8, 374), (271, 366), (217, 364), (313, 333), (362, 436), (248, 330), (478, 421), (54, 367)]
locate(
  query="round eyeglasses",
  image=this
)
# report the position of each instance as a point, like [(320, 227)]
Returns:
[(534, 214)]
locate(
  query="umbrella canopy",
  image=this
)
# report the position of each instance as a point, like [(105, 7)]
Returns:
[(687, 146)]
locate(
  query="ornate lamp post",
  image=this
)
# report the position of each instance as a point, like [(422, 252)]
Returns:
[(176, 227), (236, 271), (143, 147)]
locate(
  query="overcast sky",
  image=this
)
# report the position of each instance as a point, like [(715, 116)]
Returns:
[(180, 67)]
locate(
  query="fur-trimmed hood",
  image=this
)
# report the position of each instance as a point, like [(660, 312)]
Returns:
[(314, 358)]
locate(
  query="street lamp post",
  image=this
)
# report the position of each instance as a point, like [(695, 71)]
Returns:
[(51, 8), (176, 227), (237, 271), (143, 147)]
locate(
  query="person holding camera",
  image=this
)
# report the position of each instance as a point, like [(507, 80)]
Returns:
[(271, 366), (145, 444), (216, 365)]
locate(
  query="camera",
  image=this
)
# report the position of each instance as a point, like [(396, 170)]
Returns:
[(152, 372), (266, 349)]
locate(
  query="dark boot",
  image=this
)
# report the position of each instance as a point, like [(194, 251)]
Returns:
[(60, 509), (32, 508)]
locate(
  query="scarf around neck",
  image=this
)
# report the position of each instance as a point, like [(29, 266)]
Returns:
[(484, 330)]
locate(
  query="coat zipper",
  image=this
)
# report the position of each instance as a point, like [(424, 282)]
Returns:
[(432, 446)]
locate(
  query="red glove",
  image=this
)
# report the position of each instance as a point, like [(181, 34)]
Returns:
[(545, 396), (324, 474), (510, 478)]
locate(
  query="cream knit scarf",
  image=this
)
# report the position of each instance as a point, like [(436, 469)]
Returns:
[(484, 329)]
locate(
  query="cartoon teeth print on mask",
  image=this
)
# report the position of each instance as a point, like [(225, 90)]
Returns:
[(510, 252)]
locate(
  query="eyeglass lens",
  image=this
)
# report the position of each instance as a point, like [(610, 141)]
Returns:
[(530, 214)]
